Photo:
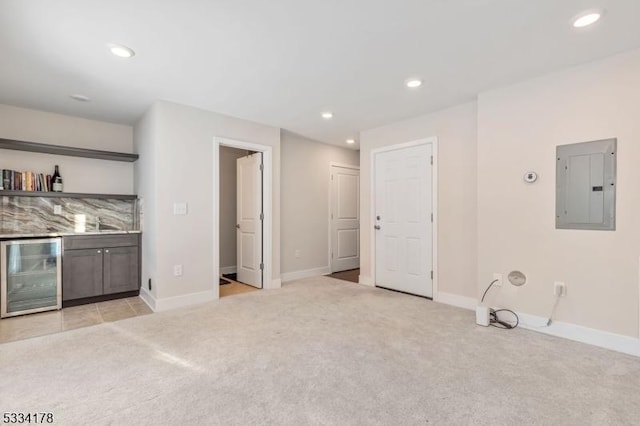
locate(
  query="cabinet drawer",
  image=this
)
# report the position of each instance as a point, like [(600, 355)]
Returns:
[(99, 241)]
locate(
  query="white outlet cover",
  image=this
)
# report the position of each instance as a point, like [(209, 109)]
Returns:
[(57, 209), (179, 208), (177, 270), (498, 277)]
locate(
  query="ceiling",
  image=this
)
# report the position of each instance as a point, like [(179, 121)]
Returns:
[(283, 62)]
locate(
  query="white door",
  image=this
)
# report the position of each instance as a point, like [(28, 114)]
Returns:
[(249, 219), (345, 218), (403, 220)]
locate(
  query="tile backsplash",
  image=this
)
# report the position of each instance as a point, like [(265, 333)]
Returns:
[(19, 215)]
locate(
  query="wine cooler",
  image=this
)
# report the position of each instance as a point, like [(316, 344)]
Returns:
[(31, 276)]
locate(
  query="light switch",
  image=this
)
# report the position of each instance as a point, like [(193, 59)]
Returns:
[(179, 208)]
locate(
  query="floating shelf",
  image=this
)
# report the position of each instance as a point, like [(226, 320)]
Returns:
[(66, 150), (6, 193)]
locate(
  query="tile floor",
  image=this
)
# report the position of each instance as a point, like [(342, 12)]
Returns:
[(26, 326), (235, 288), (350, 275)]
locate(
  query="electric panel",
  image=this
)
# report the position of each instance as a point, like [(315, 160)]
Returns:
[(586, 185)]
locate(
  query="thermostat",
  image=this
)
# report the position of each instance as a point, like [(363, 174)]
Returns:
[(530, 177)]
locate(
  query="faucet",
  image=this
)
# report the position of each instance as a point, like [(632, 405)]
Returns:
[(97, 223)]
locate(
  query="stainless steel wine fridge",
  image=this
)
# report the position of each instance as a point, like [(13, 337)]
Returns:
[(31, 276)]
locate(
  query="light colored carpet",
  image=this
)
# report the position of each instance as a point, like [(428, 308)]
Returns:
[(318, 351)]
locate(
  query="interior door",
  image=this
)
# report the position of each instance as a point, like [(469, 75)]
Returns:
[(249, 219), (345, 218), (403, 220)]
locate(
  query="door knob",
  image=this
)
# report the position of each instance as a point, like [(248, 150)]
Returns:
[(238, 225), (377, 227)]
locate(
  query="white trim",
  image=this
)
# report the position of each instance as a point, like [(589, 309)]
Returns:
[(228, 270), (364, 280), (267, 196), (307, 273), (604, 339), (148, 298), (169, 303), (333, 164), (277, 283), (343, 165), (434, 197), (457, 300)]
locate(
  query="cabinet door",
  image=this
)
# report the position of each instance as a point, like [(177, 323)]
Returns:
[(81, 274), (120, 269)]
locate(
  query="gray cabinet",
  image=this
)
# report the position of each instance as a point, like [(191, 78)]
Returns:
[(94, 266), (81, 274), (120, 270)]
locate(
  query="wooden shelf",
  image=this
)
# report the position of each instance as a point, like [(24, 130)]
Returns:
[(66, 150), (5, 193)]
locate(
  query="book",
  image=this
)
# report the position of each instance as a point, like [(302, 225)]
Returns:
[(13, 180)]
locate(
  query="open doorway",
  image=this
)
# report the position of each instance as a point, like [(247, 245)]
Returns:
[(242, 204), (344, 222), (240, 226)]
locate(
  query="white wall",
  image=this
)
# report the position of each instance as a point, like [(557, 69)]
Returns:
[(305, 200), (456, 132), (79, 174), (183, 142), (146, 186), (519, 128), (228, 205)]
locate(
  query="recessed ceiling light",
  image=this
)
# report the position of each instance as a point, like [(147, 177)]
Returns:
[(80, 98), (350, 141), (587, 18), (121, 51), (413, 83), (327, 115)]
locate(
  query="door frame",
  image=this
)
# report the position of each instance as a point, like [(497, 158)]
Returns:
[(433, 141), (267, 207), (330, 240)]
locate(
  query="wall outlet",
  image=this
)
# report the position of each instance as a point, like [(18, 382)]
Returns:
[(177, 270), (559, 289), (298, 254), (57, 209), (497, 276), (179, 208)]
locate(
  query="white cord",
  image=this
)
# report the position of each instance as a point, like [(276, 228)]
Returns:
[(553, 310)]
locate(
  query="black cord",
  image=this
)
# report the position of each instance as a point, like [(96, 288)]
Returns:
[(502, 324), (485, 292)]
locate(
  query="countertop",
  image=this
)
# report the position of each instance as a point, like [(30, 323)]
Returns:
[(63, 234)]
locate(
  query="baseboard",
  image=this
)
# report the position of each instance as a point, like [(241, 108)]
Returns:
[(298, 275), (604, 339), (228, 270), (364, 280), (456, 300), (148, 298), (168, 303), (276, 284)]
